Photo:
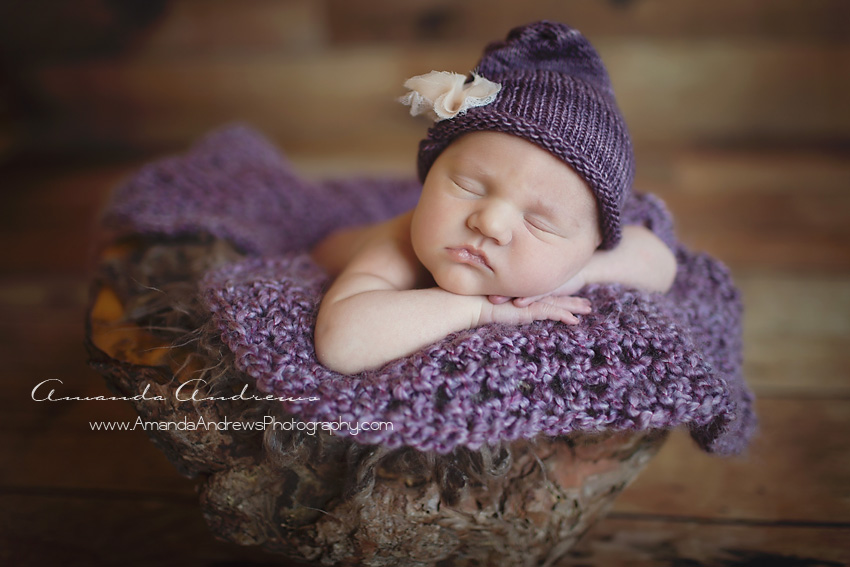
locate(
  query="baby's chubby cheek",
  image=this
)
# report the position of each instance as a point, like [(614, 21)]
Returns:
[(460, 281)]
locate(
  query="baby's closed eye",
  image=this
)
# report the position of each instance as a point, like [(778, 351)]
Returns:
[(540, 224), (468, 186)]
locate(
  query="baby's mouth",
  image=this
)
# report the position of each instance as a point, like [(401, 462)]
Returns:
[(470, 255)]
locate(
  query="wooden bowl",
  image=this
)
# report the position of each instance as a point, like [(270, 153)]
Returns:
[(321, 498)]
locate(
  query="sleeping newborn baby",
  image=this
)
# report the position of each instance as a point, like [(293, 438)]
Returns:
[(524, 177)]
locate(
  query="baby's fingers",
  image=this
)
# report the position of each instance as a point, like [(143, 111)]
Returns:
[(578, 305), (562, 309), (552, 308), (566, 301), (526, 301)]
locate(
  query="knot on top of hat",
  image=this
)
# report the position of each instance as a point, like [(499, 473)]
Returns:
[(546, 46)]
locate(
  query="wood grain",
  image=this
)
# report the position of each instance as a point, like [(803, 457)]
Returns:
[(641, 542), (668, 90), (796, 470), (484, 20), (85, 528)]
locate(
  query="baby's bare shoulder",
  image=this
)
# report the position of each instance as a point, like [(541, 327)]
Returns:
[(379, 241)]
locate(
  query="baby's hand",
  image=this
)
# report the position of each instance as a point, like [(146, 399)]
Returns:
[(562, 308)]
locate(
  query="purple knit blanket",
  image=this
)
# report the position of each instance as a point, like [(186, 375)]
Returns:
[(639, 361)]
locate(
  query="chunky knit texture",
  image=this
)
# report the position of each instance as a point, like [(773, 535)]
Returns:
[(237, 186), (555, 93), (637, 361)]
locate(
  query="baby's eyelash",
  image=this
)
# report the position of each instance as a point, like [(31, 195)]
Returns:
[(538, 224), (466, 189)]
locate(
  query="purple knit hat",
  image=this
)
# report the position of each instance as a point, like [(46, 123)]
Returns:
[(555, 92)]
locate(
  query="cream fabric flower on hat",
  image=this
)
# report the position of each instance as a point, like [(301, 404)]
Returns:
[(442, 95)]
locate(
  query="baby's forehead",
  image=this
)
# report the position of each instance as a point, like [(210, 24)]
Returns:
[(496, 157), (495, 153)]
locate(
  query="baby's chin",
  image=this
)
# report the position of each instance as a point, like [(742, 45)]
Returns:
[(464, 281)]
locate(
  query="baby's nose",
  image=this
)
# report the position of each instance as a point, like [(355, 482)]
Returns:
[(493, 221)]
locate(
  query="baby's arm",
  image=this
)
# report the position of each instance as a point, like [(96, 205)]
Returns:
[(641, 260), (373, 314)]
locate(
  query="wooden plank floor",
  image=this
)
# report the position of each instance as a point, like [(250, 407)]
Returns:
[(71, 496)]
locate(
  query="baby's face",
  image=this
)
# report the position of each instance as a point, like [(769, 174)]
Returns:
[(500, 216)]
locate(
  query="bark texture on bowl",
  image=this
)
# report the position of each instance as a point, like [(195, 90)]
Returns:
[(317, 497)]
